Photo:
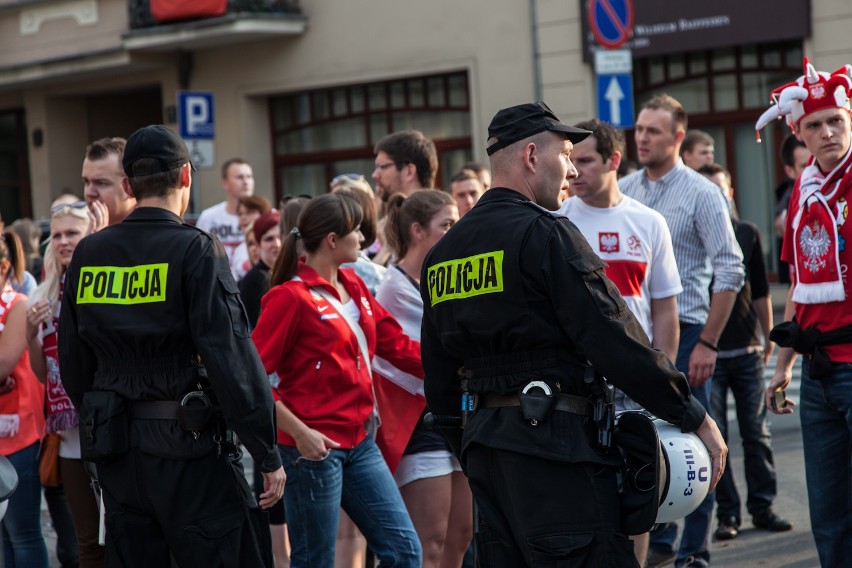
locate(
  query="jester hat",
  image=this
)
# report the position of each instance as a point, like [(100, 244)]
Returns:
[(813, 91)]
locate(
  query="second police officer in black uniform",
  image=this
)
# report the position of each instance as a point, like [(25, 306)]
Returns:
[(518, 318), (156, 354)]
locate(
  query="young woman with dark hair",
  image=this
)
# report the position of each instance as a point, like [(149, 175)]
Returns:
[(319, 328), (429, 477)]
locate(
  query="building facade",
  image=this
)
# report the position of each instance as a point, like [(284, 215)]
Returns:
[(303, 88)]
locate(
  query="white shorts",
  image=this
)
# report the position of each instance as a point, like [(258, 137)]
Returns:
[(425, 464)]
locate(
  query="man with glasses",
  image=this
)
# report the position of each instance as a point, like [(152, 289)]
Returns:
[(405, 162)]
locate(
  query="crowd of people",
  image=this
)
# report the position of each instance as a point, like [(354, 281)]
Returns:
[(325, 299)]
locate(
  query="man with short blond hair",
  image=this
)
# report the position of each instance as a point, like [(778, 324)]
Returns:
[(698, 149), (705, 250), (222, 220), (466, 188)]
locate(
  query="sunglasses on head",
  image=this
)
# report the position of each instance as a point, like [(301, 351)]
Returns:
[(347, 177), (60, 208)]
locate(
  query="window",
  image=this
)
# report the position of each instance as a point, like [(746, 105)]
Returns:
[(15, 199), (723, 92), (321, 133)]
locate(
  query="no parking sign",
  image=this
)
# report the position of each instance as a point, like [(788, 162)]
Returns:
[(611, 21)]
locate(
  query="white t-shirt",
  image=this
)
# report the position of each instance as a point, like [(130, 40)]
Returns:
[(398, 296), (635, 241), (240, 262), (226, 227)]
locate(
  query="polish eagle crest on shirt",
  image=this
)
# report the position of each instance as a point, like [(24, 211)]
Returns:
[(815, 242), (608, 242)]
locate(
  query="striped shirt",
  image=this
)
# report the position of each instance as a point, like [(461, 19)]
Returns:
[(705, 247)]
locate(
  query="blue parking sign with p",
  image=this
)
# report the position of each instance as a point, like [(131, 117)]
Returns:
[(195, 115)]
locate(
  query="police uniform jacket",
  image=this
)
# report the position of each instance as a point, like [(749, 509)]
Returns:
[(150, 311), (514, 293)]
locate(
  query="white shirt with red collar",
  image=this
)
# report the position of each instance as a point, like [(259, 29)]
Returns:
[(635, 242)]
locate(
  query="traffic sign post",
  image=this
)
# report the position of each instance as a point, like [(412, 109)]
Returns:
[(614, 69), (615, 100), (611, 21), (196, 122)]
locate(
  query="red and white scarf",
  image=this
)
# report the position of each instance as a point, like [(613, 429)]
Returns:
[(61, 414), (815, 239)]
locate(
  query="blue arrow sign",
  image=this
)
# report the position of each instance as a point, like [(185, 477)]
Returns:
[(615, 100)]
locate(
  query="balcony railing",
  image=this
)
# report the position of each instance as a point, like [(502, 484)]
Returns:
[(139, 11)]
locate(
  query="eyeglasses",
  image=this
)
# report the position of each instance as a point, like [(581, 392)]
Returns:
[(389, 164), (60, 208)]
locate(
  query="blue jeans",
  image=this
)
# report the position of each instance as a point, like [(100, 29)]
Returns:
[(23, 545), (743, 375), (359, 481), (696, 526), (826, 415)]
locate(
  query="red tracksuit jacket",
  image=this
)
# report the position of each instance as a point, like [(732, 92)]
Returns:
[(324, 382)]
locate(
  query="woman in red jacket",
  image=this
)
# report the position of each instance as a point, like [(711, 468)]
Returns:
[(319, 329)]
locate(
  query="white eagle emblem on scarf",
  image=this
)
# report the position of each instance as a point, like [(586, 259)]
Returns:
[(815, 243)]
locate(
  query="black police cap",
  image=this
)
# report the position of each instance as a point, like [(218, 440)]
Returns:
[(522, 121), (162, 146)]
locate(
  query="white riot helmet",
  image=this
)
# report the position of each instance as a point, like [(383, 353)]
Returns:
[(688, 472), (8, 483), (666, 473)]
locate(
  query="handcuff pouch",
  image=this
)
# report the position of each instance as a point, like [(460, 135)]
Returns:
[(536, 400)]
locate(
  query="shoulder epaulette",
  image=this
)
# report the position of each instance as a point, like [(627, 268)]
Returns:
[(540, 209)]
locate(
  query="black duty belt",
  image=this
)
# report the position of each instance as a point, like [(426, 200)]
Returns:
[(193, 417), (154, 409), (564, 402)]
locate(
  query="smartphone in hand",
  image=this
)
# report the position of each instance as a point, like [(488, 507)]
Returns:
[(779, 400)]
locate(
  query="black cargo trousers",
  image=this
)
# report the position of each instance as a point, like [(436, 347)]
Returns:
[(200, 511), (545, 514)]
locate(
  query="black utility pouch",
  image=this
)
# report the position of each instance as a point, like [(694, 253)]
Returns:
[(195, 411), (104, 426), (536, 401)]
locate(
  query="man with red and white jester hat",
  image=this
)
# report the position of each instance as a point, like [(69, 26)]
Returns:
[(817, 242)]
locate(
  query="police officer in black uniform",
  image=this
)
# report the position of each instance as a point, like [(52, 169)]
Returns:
[(156, 354), (520, 323)]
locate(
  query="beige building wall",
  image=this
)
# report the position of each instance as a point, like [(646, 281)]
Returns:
[(567, 84), (513, 51), (830, 45), (357, 42)]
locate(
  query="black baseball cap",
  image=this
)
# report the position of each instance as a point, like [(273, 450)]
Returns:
[(522, 121), (157, 143)]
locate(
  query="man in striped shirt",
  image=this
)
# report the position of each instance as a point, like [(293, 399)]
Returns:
[(705, 249)]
